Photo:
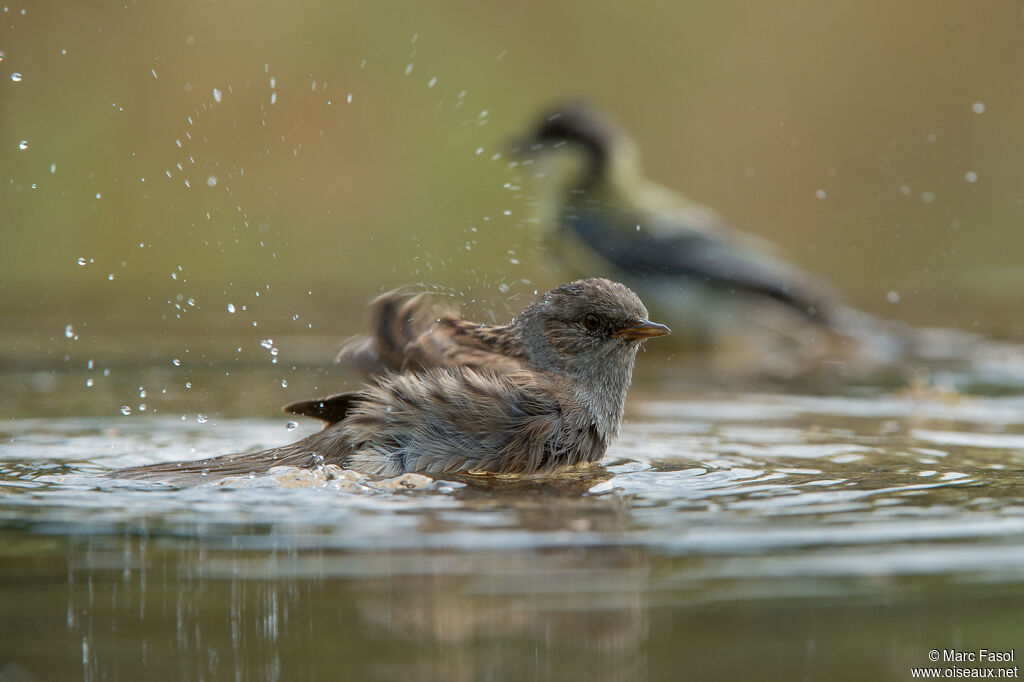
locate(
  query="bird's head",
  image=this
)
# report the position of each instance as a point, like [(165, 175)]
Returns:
[(586, 328), (583, 138)]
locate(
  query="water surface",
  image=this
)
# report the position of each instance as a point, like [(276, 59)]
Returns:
[(787, 532)]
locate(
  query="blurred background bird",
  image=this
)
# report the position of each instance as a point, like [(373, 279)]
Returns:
[(716, 284)]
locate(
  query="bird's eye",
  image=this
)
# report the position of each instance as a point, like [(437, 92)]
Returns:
[(592, 322)]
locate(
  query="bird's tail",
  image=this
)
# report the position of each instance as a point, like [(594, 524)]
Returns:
[(304, 453), (874, 340)]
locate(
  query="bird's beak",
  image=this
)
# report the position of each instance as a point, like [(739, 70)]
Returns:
[(641, 329)]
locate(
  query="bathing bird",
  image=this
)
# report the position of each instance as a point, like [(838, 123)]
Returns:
[(558, 403)]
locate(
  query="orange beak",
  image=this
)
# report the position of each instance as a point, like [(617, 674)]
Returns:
[(641, 329)]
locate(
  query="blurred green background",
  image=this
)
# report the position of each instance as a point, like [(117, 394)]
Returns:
[(296, 159)]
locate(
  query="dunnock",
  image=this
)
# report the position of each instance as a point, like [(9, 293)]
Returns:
[(561, 407)]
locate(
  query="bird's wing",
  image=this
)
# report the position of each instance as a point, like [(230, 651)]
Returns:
[(418, 333), (454, 342), (707, 256), (442, 421), (397, 319)]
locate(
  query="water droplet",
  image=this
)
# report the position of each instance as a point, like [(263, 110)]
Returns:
[(893, 297), (89, 383), (23, 145), (125, 410), (217, 95), (188, 384), (142, 407), (349, 98), (176, 362), (16, 77), (433, 82), (142, 392), (201, 418), (267, 343), (971, 176), (211, 181), (927, 197), (284, 383), (978, 107), (231, 308), (82, 261), (53, 168), (291, 426), (69, 331), (820, 194)]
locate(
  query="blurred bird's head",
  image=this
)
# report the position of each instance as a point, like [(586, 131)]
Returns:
[(590, 328), (584, 139)]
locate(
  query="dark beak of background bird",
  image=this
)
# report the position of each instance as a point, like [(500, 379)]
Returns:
[(641, 329)]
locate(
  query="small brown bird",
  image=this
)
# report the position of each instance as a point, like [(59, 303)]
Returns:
[(562, 406)]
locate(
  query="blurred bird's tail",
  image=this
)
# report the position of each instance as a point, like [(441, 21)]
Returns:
[(873, 341)]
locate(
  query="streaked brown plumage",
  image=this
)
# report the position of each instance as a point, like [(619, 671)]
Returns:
[(418, 332), (412, 333), (558, 404)]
